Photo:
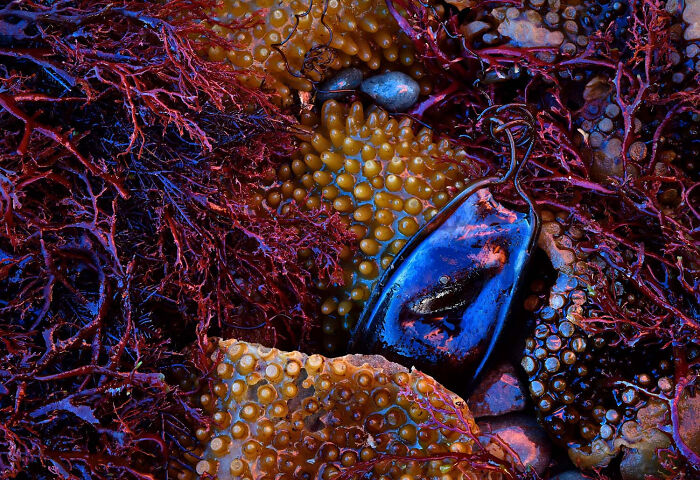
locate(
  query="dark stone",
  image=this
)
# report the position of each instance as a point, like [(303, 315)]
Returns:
[(443, 302), (474, 29), (571, 475), (394, 91), (523, 435), (348, 79), (499, 75), (498, 393)]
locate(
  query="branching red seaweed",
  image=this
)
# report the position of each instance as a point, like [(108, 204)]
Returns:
[(131, 229), (128, 166)]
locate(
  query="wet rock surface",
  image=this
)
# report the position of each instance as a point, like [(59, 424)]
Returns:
[(348, 79), (524, 436), (527, 30), (498, 393), (570, 475), (475, 28), (394, 91)]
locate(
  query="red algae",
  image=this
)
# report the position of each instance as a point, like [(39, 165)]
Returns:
[(127, 231), (131, 231)]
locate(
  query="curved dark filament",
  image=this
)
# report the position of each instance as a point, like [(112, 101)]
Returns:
[(435, 13), (454, 36), (244, 327), (313, 60), (516, 122)]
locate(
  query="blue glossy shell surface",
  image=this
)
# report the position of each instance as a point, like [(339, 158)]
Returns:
[(443, 303)]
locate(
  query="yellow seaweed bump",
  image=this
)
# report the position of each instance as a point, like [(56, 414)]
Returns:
[(287, 415)]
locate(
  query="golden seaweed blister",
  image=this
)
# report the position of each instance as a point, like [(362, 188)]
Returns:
[(287, 415)]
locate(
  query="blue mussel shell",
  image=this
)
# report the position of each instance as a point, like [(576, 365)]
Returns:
[(443, 303)]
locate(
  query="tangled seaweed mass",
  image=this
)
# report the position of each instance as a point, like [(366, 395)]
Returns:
[(179, 172)]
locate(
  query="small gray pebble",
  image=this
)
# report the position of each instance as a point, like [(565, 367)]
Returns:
[(473, 29), (348, 79), (490, 38), (524, 435), (499, 392), (571, 475), (394, 91), (500, 75)]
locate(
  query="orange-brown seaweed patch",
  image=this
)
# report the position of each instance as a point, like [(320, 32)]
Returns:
[(287, 415), (291, 44)]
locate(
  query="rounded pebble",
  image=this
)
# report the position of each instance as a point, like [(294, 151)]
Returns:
[(395, 91)]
